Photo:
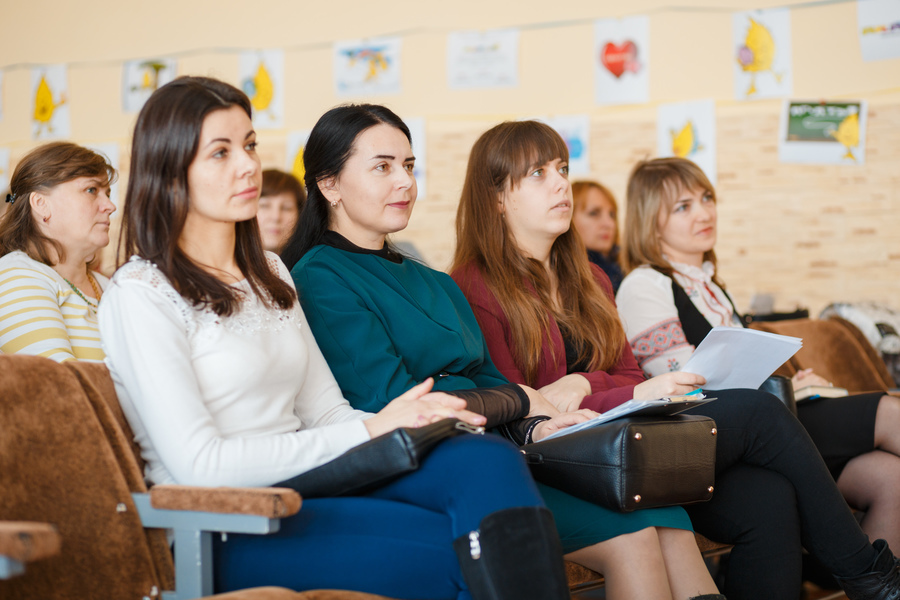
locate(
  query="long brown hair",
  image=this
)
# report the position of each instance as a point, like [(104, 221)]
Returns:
[(40, 170), (500, 159), (165, 143), (654, 186)]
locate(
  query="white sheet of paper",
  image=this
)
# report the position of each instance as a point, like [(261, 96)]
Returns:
[(876, 23), (661, 406), (732, 357), (483, 59), (688, 130)]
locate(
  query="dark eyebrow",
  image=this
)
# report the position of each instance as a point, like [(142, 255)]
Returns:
[(211, 142), (391, 157)]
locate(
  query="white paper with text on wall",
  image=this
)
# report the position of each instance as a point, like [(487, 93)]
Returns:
[(731, 357)]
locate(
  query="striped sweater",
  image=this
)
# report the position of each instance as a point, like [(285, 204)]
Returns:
[(40, 314)]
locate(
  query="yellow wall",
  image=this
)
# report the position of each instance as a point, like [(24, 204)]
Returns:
[(808, 234)]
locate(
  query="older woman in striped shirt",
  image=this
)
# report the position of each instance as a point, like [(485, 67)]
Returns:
[(56, 222)]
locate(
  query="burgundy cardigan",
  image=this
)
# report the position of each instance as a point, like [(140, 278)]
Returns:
[(608, 388)]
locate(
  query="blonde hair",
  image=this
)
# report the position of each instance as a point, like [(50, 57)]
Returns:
[(654, 186)]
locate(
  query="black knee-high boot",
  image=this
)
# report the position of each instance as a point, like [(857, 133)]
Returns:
[(514, 555), (882, 582)]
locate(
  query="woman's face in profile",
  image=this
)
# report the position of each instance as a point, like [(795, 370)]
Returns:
[(79, 212), (376, 190), (225, 176), (596, 221), (540, 206)]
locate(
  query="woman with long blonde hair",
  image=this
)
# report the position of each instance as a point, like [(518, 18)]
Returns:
[(674, 295)]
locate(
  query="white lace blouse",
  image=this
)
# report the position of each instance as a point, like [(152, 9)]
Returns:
[(246, 400)]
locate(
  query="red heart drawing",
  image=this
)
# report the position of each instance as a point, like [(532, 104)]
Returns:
[(618, 59)]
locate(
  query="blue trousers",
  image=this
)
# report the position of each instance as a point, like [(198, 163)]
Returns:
[(395, 541)]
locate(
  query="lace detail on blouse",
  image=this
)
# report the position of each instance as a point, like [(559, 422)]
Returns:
[(252, 317)]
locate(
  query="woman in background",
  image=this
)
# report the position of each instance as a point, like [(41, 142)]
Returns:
[(56, 223), (280, 205), (595, 221), (223, 384), (551, 323), (674, 296)]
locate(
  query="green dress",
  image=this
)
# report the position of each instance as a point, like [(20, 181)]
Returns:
[(386, 323)]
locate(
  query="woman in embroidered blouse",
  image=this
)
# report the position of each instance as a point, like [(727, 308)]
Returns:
[(671, 233), (223, 384), (550, 322), (594, 218), (56, 223)]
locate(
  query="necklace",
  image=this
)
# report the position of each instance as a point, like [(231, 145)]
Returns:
[(94, 286)]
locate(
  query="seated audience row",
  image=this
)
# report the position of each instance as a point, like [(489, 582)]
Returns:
[(220, 376)]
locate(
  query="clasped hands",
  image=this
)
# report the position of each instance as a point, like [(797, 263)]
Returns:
[(420, 406)]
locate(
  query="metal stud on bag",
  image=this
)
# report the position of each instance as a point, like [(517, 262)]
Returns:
[(474, 545), (637, 498), (637, 435)]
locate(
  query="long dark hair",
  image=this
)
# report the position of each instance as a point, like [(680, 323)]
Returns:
[(500, 159), (40, 170), (331, 142), (165, 143)]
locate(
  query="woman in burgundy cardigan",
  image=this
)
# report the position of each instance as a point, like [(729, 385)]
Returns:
[(550, 322)]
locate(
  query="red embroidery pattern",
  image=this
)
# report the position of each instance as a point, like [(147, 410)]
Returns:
[(658, 340)]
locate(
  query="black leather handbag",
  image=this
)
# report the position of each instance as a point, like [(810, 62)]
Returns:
[(632, 462), (377, 462)]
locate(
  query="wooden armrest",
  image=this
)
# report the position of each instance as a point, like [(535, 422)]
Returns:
[(25, 541), (272, 503)]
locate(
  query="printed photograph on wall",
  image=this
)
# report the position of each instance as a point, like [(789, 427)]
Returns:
[(367, 67), (878, 22), (417, 132), (819, 132), (621, 60), (688, 130), (140, 78), (483, 59), (261, 75), (576, 131), (49, 101), (111, 151), (5, 173), (296, 142), (762, 54)]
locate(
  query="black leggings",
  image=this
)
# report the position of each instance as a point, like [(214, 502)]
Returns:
[(773, 493)]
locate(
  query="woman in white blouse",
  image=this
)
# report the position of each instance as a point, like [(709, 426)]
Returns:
[(673, 296), (222, 381), (56, 222)]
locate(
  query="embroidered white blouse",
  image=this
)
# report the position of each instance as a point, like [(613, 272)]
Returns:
[(647, 309), (245, 400)]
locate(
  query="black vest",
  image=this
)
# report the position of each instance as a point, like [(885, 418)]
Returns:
[(693, 322)]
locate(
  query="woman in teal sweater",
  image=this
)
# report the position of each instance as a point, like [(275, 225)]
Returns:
[(385, 322)]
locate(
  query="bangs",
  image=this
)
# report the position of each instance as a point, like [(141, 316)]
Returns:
[(685, 178), (531, 144)]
